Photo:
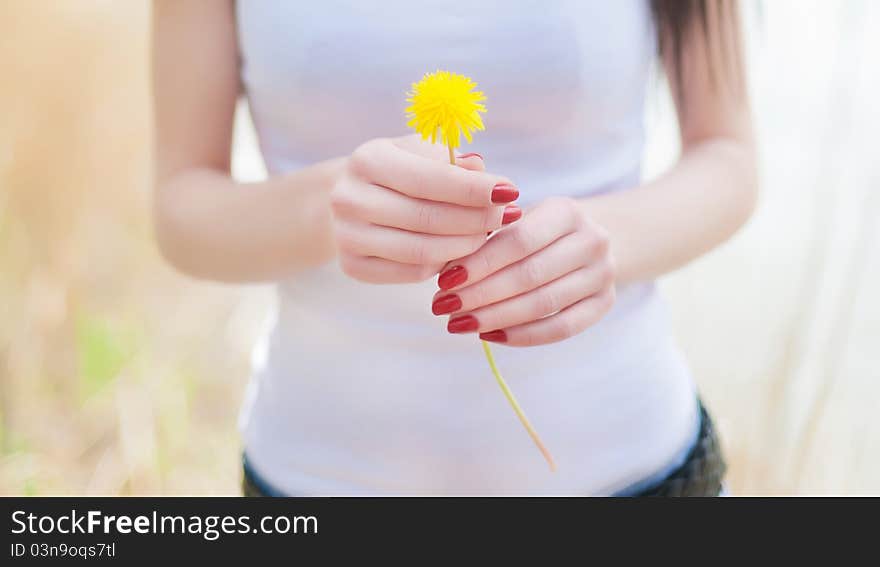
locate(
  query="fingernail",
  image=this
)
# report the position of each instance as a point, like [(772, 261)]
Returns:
[(504, 193), (498, 336), (446, 304), (511, 213), (454, 276), (472, 154), (463, 324)]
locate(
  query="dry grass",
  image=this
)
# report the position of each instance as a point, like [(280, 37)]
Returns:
[(116, 375), (119, 376)]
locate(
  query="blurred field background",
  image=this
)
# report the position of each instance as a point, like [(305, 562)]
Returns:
[(119, 376)]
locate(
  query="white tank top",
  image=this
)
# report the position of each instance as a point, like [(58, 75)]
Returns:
[(359, 388)]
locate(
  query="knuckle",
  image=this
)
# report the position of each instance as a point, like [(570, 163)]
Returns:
[(567, 209), (418, 183), (548, 302), (428, 216), (602, 240), (485, 259), (520, 240), (474, 297), (578, 220), (612, 270), (596, 245), (472, 186), (342, 202), (530, 274), (418, 252), (560, 203), (609, 273), (350, 266), (428, 251), (550, 202), (359, 156), (360, 163), (609, 299), (477, 191), (565, 327), (528, 336)]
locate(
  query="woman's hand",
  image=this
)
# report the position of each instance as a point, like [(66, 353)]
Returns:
[(401, 211), (546, 278)]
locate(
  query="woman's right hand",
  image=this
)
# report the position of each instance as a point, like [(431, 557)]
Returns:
[(401, 210)]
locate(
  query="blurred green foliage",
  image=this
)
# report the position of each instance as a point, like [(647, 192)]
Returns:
[(103, 350)]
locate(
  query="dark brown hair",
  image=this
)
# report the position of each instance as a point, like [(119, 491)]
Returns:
[(715, 21)]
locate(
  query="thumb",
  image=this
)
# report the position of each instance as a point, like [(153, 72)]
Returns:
[(471, 161)]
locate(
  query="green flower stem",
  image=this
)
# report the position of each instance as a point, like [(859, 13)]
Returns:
[(516, 407)]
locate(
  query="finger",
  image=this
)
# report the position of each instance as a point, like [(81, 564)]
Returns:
[(564, 324), (385, 207), (384, 163), (562, 257), (379, 270), (471, 161), (402, 246), (533, 305), (535, 230)]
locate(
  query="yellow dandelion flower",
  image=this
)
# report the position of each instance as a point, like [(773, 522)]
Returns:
[(446, 102)]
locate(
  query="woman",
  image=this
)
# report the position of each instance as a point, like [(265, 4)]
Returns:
[(361, 390)]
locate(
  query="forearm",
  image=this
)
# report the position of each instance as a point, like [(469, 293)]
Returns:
[(210, 226), (698, 204)]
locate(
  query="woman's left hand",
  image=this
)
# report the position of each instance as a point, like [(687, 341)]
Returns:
[(543, 279)]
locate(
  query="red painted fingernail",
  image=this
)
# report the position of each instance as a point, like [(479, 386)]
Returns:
[(472, 154), (463, 324), (504, 193), (454, 276), (498, 336), (446, 304), (511, 213)]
